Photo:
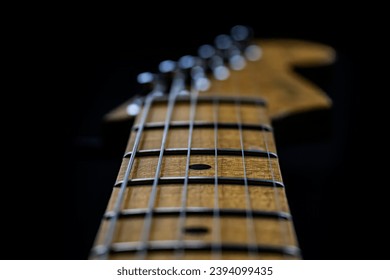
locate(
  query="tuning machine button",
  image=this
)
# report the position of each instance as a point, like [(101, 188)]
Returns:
[(253, 52), (151, 82), (167, 66), (242, 36), (241, 33), (220, 71), (199, 78), (206, 51), (167, 71)]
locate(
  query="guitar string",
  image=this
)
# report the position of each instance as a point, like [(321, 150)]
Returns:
[(184, 194), (177, 86), (251, 230), (264, 133), (283, 225), (248, 207), (250, 224), (172, 98), (216, 244), (119, 200)]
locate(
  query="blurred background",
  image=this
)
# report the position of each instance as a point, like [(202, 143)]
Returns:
[(334, 194)]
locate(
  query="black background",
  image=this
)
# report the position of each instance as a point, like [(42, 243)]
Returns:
[(335, 187)]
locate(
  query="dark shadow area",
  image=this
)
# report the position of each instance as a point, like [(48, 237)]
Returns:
[(329, 170)]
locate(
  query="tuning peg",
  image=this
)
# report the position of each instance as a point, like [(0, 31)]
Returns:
[(237, 62), (194, 68), (220, 71), (186, 62), (134, 107), (184, 66), (145, 78), (167, 66), (241, 33), (147, 81), (223, 42), (199, 78), (168, 69), (253, 52), (206, 51), (151, 82)]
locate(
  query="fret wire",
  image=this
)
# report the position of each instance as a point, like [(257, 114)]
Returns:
[(119, 200), (203, 124), (178, 84), (199, 211), (204, 180), (248, 206), (182, 218), (216, 247), (201, 151), (195, 245), (221, 99)]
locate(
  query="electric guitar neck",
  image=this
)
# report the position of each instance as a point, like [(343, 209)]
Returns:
[(200, 177)]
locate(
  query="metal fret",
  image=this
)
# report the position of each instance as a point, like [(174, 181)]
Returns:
[(201, 174), (220, 99), (192, 245), (199, 211), (202, 151), (202, 124), (203, 180)]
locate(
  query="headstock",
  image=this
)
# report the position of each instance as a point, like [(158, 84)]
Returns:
[(271, 77)]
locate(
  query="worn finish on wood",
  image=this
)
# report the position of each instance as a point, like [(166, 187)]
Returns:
[(202, 195), (204, 138), (270, 78), (228, 166), (273, 78)]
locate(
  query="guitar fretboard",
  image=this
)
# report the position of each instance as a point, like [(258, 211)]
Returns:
[(218, 195), (200, 177)]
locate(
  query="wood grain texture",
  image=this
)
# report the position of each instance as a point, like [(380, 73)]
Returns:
[(236, 230), (204, 138), (228, 166), (270, 78), (202, 195)]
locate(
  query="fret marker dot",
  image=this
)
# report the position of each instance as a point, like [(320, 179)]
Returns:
[(196, 230), (199, 166)]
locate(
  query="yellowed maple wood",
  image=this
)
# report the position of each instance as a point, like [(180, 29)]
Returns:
[(275, 232), (228, 166), (201, 195), (204, 138), (233, 230), (270, 78)]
